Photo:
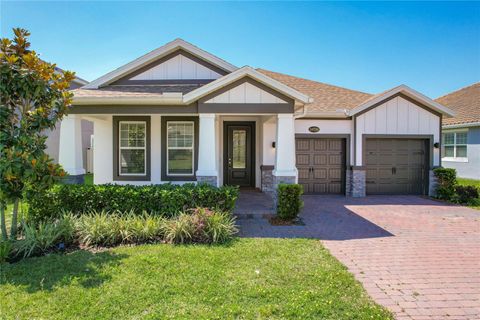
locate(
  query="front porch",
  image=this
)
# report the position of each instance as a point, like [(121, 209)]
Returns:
[(235, 149)]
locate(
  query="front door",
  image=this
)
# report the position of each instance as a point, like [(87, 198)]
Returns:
[(239, 154)]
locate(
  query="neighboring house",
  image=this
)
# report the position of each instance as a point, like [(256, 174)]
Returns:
[(180, 114), (53, 139), (461, 134)]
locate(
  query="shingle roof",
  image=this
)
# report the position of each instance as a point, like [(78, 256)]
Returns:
[(466, 104), (327, 98), (133, 91)]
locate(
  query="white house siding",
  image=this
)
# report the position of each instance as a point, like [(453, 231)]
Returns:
[(178, 68), (397, 116), (246, 93)]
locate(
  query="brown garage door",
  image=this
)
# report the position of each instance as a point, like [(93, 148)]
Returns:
[(321, 165), (396, 166)]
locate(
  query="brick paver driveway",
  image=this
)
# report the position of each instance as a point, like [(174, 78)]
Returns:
[(419, 258)]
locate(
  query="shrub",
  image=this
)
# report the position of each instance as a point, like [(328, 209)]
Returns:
[(166, 200), (289, 202), (201, 226), (446, 179), (109, 229), (40, 238), (466, 194), (5, 250)]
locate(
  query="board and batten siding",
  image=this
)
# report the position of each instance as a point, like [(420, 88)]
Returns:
[(397, 116), (245, 93), (178, 68)]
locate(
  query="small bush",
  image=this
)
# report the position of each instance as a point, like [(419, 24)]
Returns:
[(165, 200), (109, 229), (38, 239), (5, 250), (201, 226), (289, 202), (446, 178), (466, 194)]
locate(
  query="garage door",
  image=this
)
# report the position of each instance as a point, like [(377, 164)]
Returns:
[(396, 166), (321, 165)]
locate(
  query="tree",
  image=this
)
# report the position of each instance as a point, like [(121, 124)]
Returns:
[(33, 98)]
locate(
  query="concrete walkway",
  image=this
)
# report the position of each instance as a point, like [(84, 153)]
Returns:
[(418, 257)]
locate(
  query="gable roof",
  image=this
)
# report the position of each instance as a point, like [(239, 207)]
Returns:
[(409, 92), (327, 98), (466, 104), (158, 54), (246, 72)]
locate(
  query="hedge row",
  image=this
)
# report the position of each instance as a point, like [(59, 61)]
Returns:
[(165, 200)]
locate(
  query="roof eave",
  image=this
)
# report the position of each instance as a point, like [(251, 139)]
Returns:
[(243, 72), (157, 54), (408, 92)]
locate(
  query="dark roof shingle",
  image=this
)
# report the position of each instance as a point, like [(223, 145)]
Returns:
[(465, 103)]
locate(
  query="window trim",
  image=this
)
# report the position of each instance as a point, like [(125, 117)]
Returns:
[(455, 145), (168, 148), (120, 148), (164, 155), (116, 149)]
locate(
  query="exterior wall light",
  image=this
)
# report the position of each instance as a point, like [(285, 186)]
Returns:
[(436, 145)]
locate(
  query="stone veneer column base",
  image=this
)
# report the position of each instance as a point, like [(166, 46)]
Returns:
[(267, 179), (73, 179), (211, 180), (432, 184), (280, 180), (358, 184)]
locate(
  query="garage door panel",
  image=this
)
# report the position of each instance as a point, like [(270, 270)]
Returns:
[(320, 173), (303, 173), (319, 145), (303, 159), (323, 171), (396, 166), (319, 159)]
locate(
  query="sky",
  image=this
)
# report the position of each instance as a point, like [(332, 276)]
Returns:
[(433, 47)]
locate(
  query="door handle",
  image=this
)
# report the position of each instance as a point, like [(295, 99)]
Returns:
[(394, 170), (229, 162)]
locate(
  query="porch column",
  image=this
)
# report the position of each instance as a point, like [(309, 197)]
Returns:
[(207, 171), (285, 170), (70, 148)]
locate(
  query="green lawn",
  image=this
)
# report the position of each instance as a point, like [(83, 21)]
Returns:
[(248, 279)]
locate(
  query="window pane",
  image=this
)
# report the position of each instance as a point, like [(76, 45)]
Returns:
[(461, 138), (239, 149), (132, 161), (132, 134), (448, 151), (448, 138), (180, 161), (180, 135), (461, 151)]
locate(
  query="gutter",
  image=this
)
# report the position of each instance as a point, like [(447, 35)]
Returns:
[(461, 125)]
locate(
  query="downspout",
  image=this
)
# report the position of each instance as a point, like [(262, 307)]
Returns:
[(302, 114)]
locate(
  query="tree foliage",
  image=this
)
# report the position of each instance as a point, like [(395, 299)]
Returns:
[(33, 98)]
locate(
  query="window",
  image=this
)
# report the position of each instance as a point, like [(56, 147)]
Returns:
[(180, 148), (131, 145), (455, 145), (132, 150)]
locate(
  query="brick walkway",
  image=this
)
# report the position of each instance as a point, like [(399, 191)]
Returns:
[(417, 257)]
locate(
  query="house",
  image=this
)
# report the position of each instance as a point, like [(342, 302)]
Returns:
[(53, 139), (180, 114), (461, 134)]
